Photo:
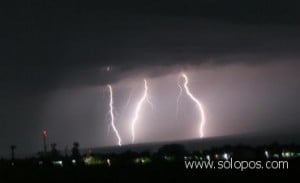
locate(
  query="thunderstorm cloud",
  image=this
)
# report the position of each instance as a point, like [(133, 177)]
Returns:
[(243, 65)]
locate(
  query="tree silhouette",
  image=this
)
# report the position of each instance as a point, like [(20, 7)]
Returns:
[(54, 152), (75, 151), (175, 150)]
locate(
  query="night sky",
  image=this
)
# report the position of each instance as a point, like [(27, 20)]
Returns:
[(241, 57)]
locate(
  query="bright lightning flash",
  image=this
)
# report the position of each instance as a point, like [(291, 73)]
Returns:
[(138, 109), (187, 90), (178, 98), (112, 117)]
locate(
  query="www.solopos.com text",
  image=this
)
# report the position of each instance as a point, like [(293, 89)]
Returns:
[(236, 165)]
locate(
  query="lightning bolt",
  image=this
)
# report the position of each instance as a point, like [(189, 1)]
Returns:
[(128, 100), (112, 117), (187, 90), (178, 98), (150, 103), (138, 109)]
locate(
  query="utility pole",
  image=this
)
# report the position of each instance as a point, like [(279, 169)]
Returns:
[(12, 148), (45, 134)]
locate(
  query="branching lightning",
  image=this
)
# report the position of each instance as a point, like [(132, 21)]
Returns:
[(150, 103), (187, 90), (128, 100), (112, 117), (138, 109), (183, 87)]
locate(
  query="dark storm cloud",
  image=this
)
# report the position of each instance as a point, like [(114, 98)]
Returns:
[(45, 42), (50, 45)]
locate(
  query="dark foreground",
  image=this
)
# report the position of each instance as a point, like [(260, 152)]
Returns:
[(174, 172), (168, 164)]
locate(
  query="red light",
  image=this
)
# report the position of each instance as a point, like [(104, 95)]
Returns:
[(45, 133)]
